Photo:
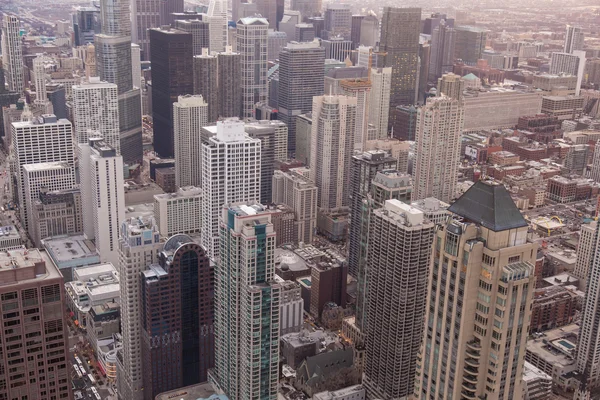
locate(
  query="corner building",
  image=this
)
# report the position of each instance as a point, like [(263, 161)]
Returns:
[(481, 286)]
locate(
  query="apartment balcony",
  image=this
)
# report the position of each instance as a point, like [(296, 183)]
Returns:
[(473, 362), (468, 395), (472, 379)]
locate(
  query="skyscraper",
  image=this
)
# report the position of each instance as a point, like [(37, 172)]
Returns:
[(268, 9), (96, 112), (332, 144), (569, 63), (307, 8), (573, 39), (301, 74), (437, 145), (177, 295), (40, 140), (86, 23), (139, 245), (172, 62), (12, 53), (39, 77), (338, 20), (355, 30), (400, 28), (136, 65), (443, 40), (190, 114), (470, 43), (479, 300), (205, 84), (102, 192), (229, 83), (149, 14), (246, 304), (231, 172), (200, 30), (400, 241), (35, 289), (217, 19), (252, 46), (113, 65), (364, 168), (379, 101), (451, 85), (360, 89)]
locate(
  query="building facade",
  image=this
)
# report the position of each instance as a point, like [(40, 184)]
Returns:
[(190, 114), (252, 45), (12, 53)]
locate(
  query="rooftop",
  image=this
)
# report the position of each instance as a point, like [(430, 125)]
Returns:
[(65, 248), (542, 345), (489, 205), (193, 392), (33, 264)]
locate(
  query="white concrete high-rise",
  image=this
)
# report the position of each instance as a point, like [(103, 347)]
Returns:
[(379, 101), (252, 43), (103, 194), (190, 114), (569, 63), (136, 65), (437, 145), (40, 63), (585, 253), (39, 140), (217, 20), (361, 90), (139, 245), (96, 112), (400, 241), (573, 39), (180, 212), (231, 169), (246, 305), (332, 145), (12, 53)]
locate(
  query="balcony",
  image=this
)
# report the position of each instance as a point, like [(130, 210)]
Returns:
[(472, 362)]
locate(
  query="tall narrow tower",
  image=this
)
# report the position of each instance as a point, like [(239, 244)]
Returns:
[(217, 18), (379, 101), (439, 126), (190, 114), (573, 39), (252, 45), (205, 84), (229, 83), (12, 53), (247, 305)]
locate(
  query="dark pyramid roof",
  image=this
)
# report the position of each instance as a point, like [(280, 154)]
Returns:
[(489, 205)]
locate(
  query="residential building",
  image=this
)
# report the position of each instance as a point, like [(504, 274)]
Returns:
[(229, 82), (379, 101), (247, 301), (139, 245), (177, 296), (173, 62), (400, 240), (217, 19), (328, 285), (573, 39), (585, 249), (252, 45), (437, 145), (443, 40), (12, 53), (571, 64), (179, 212), (32, 289), (400, 28), (359, 89), (200, 29), (482, 270), (451, 85), (205, 84), (190, 114), (231, 170)]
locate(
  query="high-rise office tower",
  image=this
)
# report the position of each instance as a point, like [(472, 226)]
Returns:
[(424, 59), (300, 194), (136, 65), (301, 74), (246, 304), (400, 29), (337, 48), (304, 33), (147, 14), (12, 53), (34, 288), (206, 82), (252, 46), (432, 22), (437, 145), (469, 44), (231, 165), (479, 300), (364, 168), (276, 41), (139, 245), (190, 114), (86, 24), (569, 63), (268, 10), (217, 19), (573, 39), (379, 101), (588, 348), (451, 85), (96, 112), (40, 140), (39, 77), (177, 296), (113, 64), (229, 83), (443, 40), (273, 141), (369, 30), (307, 8), (172, 62), (355, 29), (386, 185), (102, 192), (332, 144), (338, 20), (361, 90), (200, 30), (585, 252), (167, 9), (399, 243)]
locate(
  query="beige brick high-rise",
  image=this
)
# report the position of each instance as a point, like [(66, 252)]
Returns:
[(479, 299)]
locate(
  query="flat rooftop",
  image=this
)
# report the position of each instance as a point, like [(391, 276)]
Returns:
[(32, 264), (193, 392), (65, 248), (542, 345)]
